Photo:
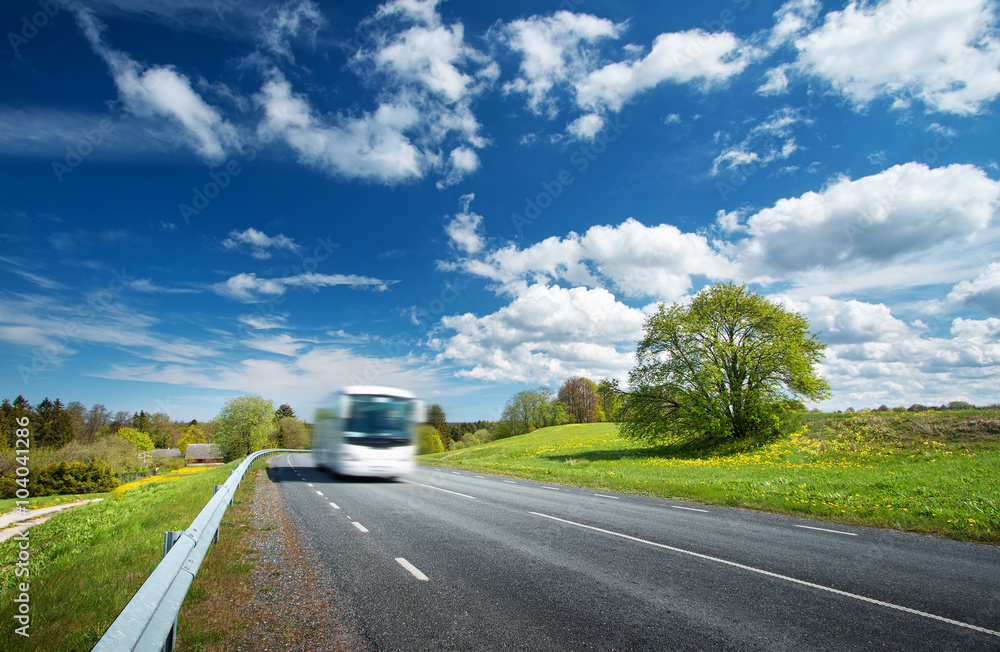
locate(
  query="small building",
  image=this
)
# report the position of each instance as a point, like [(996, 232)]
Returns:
[(166, 452), (203, 454)]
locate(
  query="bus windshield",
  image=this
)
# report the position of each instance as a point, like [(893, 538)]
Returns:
[(378, 421)]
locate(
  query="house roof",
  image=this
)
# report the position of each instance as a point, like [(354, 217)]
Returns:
[(203, 452), (166, 452)]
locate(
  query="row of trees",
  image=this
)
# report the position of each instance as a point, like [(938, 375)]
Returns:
[(54, 425), (579, 400)]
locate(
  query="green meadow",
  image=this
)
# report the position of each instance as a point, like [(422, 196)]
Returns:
[(929, 472), (86, 564)]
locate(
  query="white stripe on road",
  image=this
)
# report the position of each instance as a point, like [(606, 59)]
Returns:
[(334, 505), (823, 529), (510, 482), (359, 526), (690, 509), (481, 477), (440, 489), (414, 571), (786, 578), (611, 497), (552, 488), (308, 485), (320, 493)]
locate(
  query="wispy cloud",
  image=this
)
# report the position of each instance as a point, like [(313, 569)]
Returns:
[(164, 92), (249, 289), (258, 242)]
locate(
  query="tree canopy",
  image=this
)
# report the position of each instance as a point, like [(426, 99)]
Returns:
[(721, 366), (530, 409), (243, 426), (141, 439), (582, 402)]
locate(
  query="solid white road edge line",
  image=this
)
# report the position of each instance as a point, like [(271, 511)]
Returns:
[(823, 529), (359, 526), (414, 571), (690, 509), (419, 484), (786, 578)]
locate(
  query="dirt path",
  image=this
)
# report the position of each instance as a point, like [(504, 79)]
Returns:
[(17, 521)]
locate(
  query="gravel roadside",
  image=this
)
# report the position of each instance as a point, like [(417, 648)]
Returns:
[(285, 603)]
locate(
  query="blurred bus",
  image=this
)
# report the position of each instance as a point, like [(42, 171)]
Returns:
[(367, 431)]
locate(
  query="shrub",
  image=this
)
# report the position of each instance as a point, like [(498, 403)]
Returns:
[(428, 440), (65, 478), (141, 440)]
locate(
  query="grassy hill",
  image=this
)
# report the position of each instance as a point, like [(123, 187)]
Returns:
[(931, 472)]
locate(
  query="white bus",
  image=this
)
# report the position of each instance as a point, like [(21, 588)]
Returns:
[(367, 431)]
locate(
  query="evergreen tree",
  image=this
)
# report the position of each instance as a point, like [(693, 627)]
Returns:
[(436, 417), (140, 421), (55, 428)]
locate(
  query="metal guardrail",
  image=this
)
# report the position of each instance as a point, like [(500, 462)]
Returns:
[(147, 621)]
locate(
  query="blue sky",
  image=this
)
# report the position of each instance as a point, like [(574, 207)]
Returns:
[(201, 200)]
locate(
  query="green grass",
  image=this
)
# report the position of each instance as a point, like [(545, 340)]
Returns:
[(934, 473), (86, 564), (213, 603)]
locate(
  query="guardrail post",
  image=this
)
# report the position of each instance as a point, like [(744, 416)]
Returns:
[(170, 537), (215, 490)]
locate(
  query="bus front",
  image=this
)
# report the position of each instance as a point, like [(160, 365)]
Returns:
[(377, 434)]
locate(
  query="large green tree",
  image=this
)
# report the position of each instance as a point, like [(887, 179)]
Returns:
[(243, 426), (723, 365)]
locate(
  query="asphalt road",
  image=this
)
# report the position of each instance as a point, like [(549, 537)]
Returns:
[(466, 561)]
